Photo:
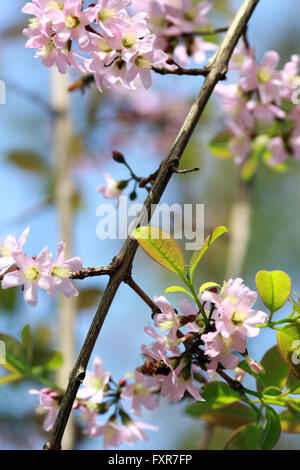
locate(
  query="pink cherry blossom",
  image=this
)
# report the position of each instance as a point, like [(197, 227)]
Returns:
[(70, 23), (142, 393), (219, 349), (187, 17), (113, 433), (196, 51), (263, 77), (234, 313), (31, 274), (49, 403), (110, 190), (94, 383), (135, 431), (177, 383), (60, 271), (6, 258)]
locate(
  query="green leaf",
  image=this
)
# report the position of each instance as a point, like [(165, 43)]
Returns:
[(178, 289), (27, 342), (275, 368), (293, 384), (288, 339), (161, 247), (28, 160), (15, 353), (207, 285), (274, 287), (271, 430), (219, 145), (290, 422), (216, 395), (244, 438), (197, 255), (55, 361), (230, 416)]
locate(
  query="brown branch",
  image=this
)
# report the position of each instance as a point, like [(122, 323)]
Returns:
[(93, 272), (207, 32), (183, 172), (181, 71), (127, 253), (134, 286)]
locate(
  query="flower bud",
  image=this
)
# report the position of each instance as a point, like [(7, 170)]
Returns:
[(118, 156)]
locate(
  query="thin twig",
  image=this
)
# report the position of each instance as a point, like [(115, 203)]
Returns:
[(181, 71), (134, 286), (127, 253), (183, 172)]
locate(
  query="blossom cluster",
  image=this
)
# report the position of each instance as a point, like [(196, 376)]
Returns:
[(177, 25), (98, 394), (262, 113), (231, 320), (118, 48), (19, 269), (174, 367)]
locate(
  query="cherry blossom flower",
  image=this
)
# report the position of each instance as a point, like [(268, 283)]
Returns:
[(113, 433), (185, 18), (6, 258), (60, 271), (142, 393), (234, 313), (94, 383), (49, 402), (69, 23), (112, 189), (263, 77), (219, 349), (31, 274), (135, 431), (178, 382)]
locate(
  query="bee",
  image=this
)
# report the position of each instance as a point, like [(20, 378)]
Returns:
[(154, 368)]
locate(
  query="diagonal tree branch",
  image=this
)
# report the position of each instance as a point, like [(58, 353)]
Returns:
[(125, 258)]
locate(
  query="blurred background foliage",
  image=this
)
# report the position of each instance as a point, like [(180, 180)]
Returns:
[(102, 122)]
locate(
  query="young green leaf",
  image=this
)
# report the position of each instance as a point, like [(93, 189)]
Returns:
[(197, 255), (271, 430), (178, 289), (161, 248), (207, 285), (288, 338), (274, 287)]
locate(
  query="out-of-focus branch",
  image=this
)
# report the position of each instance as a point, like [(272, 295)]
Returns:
[(66, 308), (127, 253), (240, 230)]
